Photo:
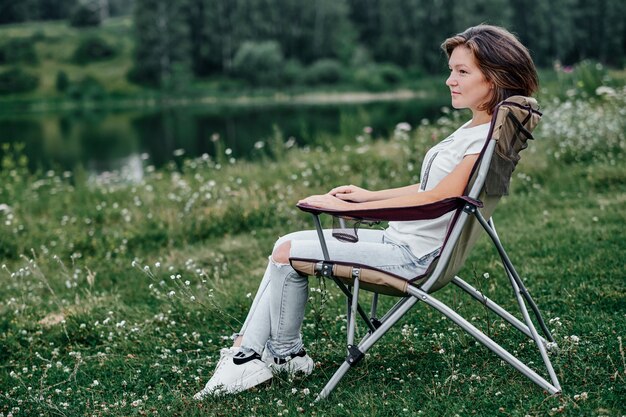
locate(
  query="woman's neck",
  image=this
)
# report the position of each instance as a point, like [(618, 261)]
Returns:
[(479, 119)]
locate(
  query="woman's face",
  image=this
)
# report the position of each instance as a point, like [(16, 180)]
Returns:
[(468, 85)]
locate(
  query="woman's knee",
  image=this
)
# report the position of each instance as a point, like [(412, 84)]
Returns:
[(281, 253)]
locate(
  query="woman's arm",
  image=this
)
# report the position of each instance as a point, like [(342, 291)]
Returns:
[(452, 185), (360, 195)]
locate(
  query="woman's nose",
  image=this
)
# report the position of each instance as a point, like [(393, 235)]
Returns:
[(450, 81)]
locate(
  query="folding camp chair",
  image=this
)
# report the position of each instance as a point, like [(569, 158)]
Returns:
[(511, 126)]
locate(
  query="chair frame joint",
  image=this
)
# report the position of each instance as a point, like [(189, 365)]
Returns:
[(469, 208), (354, 355), (377, 323), (327, 269)]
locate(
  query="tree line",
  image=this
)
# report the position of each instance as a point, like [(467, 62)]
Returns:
[(249, 37), (298, 41), (80, 12)]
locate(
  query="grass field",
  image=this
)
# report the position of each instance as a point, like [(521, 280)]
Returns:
[(55, 45), (117, 297)]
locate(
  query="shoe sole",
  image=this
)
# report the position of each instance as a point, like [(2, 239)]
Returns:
[(245, 384), (305, 368)]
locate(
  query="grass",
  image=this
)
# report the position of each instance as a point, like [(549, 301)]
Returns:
[(117, 297), (55, 45)]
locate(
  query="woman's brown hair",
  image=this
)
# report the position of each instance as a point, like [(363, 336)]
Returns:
[(502, 58)]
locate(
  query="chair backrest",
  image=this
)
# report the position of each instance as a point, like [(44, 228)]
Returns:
[(511, 127)]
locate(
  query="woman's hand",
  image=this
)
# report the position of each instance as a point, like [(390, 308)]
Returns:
[(327, 201), (352, 193)]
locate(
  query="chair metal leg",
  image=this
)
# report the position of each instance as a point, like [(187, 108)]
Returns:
[(374, 306), (353, 309), (485, 340), (522, 294), (368, 341), (512, 273), (480, 297)]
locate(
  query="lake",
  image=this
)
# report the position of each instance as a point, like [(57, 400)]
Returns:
[(101, 141)]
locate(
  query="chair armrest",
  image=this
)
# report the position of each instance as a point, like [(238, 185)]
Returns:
[(421, 212)]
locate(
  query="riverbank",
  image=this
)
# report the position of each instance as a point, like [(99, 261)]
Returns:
[(159, 100)]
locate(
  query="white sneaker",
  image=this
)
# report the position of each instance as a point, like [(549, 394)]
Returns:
[(294, 363), (235, 372)]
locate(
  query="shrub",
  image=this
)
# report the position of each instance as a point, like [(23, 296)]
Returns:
[(62, 81), (89, 88), (142, 76), (84, 16), (18, 50), (379, 76), (93, 48), (582, 79), (324, 71), (259, 62), (16, 80), (391, 73), (293, 72), (370, 78)]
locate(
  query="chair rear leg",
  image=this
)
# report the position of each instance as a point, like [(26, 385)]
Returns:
[(493, 306), (552, 388), (490, 228)]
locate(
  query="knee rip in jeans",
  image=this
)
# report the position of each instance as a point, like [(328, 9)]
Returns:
[(280, 255)]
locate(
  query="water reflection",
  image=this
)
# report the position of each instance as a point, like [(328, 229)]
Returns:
[(101, 142), (125, 170)]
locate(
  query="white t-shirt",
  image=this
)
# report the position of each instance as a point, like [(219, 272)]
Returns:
[(424, 236)]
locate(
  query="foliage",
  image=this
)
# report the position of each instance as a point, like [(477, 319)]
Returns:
[(588, 76), (162, 49), (293, 72), (62, 81), (93, 48), (259, 62), (17, 80), (18, 51), (324, 71), (587, 130), (85, 15), (306, 31), (379, 76), (88, 88)]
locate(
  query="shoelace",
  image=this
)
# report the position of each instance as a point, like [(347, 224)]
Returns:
[(223, 352)]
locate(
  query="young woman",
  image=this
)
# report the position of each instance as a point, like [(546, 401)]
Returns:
[(487, 64)]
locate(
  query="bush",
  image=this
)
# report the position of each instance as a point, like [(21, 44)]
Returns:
[(324, 71), (259, 62), (142, 76), (62, 81), (16, 80), (18, 50), (84, 16), (293, 72), (89, 88), (391, 74), (93, 48), (582, 79), (379, 76)]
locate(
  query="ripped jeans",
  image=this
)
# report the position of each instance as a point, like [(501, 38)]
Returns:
[(275, 317)]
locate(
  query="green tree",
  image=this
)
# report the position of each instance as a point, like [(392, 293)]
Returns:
[(305, 31), (162, 53), (259, 62)]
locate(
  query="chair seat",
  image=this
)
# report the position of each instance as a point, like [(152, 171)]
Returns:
[(370, 278)]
